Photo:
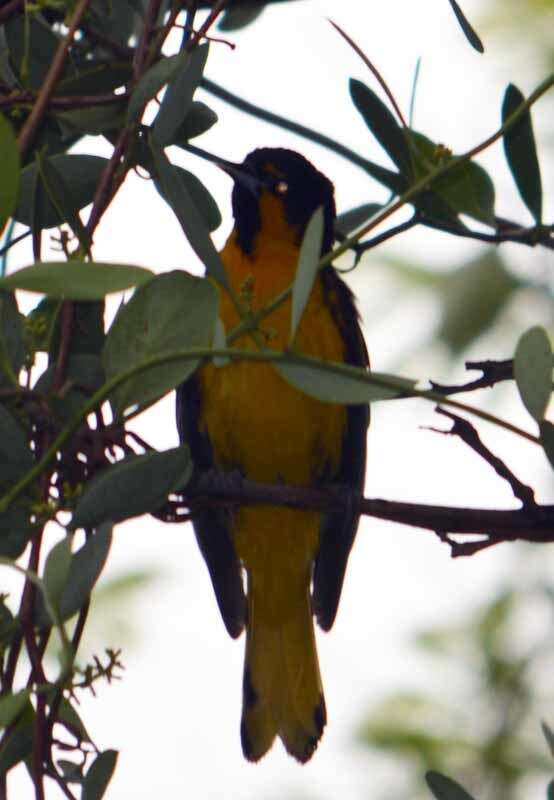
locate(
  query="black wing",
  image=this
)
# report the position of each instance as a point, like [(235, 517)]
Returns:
[(338, 530), (212, 527)]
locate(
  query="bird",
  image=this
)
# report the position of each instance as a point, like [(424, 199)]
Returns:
[(274, 569)]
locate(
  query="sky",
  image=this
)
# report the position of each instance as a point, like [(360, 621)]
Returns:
[(175, 715)]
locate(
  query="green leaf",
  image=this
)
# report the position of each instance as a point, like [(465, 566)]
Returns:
[(306, 271), (83, 370), (99, 775), (444, 788), (176, 195), (32, 45), (134, 486), (15, 456), (101, 77), (61, 196), (199, 119), (349, 220), (345, 389), (177, 100), (56, 571), (9, 185), (19, 744), (94, 121), (200, 197), (141, 332), (550, 791), (472, 297), (68, 717), (85, 569), (72, 772), (76, 280), (382, 124), (153, 82), (12, 347), (521, 153), (546, 429), (80, 172), (533, 371), (12, 705), (466, 188), (549, 736), (469, 32), (16, 530)]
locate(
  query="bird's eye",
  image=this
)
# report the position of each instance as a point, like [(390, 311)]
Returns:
[(281, 187)]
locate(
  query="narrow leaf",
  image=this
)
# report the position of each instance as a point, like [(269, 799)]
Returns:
[(11, 706), (15, 456), (56, 571), (9, 185), (76, 280), (306, 271), (140, 332), (444, 788), (469, 32), (345, 389), (521, 153), (153, 82), (549, 736), (199, 119), (178, 198), (177, 100), (533, 371), (99, 775), (134, 486), (349, 220), (61, 197), (200, 197), (85, 569), (383, 125)]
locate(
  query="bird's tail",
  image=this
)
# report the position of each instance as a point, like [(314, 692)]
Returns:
[(282, 691)]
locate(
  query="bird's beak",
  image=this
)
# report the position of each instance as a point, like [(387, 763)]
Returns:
[(237, 172)]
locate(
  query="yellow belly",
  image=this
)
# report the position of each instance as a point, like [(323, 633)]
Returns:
[(260, 424)]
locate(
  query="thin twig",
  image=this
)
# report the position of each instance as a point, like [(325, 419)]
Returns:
[(39, 108), (493, 372)]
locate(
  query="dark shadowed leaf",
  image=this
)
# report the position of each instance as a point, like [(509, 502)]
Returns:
[(175, 193), (15, 456), (199, 119), (469, 32), (533, 371), (76, 280), (12, 705), (177, 100), (32, 45), (19, 742), (134, 486), (60, 194), (81, 172), (83, 370), (332, 387), (239, 17), (85, 568), (9, 185), (444, 788), (306, 270), (383, 125), (99, 775), (349, 220), (521, 153), (94, 120), (101, 77), (153, 82), (16, 530), (140, 332), (12, 347), (200, 197), (72, 772)]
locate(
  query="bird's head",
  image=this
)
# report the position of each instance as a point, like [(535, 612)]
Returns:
[(279, 190)]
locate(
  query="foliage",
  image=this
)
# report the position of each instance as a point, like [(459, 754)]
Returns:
[(90, 68)]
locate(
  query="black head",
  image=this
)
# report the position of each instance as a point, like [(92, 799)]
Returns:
[(289, 177)]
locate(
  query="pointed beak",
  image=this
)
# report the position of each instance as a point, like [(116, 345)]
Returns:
[(237, 172)]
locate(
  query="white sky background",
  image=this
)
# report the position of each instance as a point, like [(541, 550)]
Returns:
[(175, 716)]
